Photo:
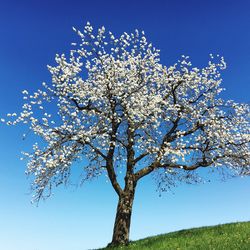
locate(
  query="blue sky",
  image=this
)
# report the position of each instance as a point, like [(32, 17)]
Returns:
[(80, 218)]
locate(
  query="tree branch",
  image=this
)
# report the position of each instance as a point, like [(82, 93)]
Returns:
[(157, 165), (89, 106), (140, 157)]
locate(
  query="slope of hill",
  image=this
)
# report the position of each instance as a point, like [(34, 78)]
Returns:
[(231, 236)]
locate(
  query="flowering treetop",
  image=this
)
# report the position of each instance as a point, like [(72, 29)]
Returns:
[(118, 106)]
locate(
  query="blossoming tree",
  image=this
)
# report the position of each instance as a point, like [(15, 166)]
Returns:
[(116, 105)]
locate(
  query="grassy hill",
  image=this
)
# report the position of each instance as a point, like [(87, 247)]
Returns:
[(231, 236)]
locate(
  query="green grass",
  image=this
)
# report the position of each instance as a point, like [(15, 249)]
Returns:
[(231, 236)]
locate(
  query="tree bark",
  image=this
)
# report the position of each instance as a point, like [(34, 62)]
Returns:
[(123, 217)]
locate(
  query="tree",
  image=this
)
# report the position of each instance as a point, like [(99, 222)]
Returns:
[(112, 102)]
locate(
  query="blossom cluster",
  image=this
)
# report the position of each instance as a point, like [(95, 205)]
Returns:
[(113, 93)]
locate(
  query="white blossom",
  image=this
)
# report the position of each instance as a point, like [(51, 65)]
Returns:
[(112, 95)]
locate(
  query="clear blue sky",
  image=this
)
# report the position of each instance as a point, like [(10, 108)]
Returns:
[(31, 33)]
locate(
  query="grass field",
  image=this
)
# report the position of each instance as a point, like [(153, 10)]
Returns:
[(231, 236)]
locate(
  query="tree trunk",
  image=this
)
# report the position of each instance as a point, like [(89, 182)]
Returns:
[(123, 217)]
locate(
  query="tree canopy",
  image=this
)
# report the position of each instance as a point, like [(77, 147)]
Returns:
[(115, 104)]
